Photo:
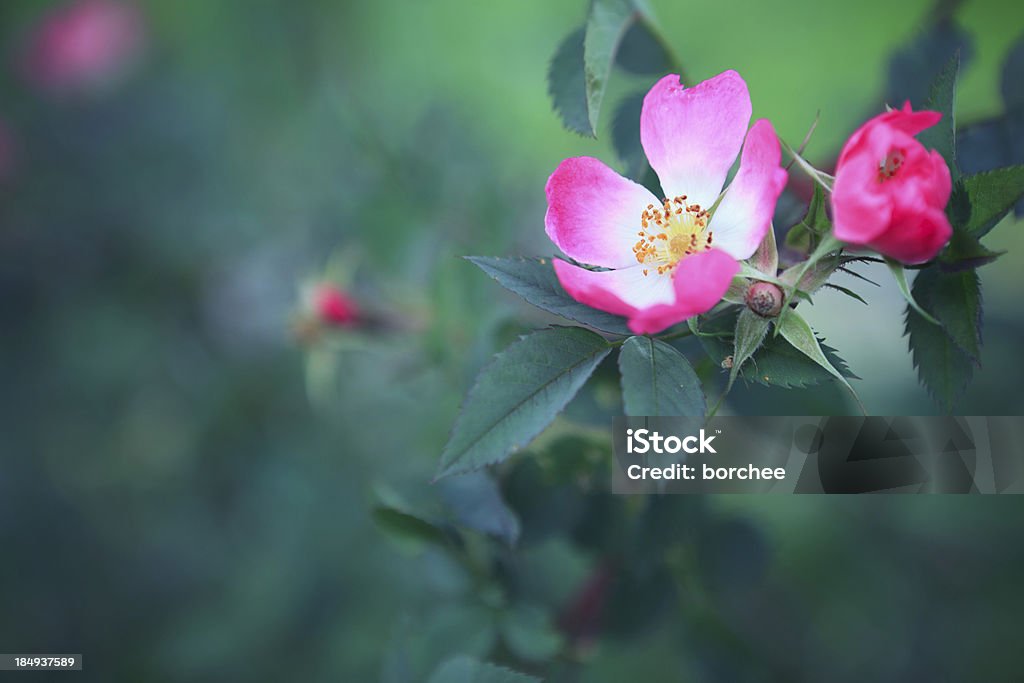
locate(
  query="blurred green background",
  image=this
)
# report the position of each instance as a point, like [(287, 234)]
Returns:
[(186, 490)]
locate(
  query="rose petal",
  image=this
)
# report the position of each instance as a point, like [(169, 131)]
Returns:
[(653, 303), (621, 291), (914, 237), (692, 135), (904, 120), (700, 281), (745, 215), (594, 213)]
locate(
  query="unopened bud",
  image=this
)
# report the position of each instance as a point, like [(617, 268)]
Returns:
[(334, 306), (765, 299)]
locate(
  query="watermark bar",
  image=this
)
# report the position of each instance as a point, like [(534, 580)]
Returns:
[(40, 662), (784, 455)]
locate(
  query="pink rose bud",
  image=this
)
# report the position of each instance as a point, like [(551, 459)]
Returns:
[(890, 192), (334, 306), (82, 45), (765, 299)]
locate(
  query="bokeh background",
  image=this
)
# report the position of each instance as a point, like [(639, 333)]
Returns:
[(188, 483)]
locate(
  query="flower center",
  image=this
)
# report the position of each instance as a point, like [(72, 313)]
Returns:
[(892, 163), (670, 233)]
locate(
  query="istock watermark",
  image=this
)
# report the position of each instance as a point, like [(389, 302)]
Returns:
[(819, 455), (646, 440)]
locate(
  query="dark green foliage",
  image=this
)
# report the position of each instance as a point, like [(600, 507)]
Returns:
[(998, 142), (567, 84), (747, 338), (534, 279), (626, 136), (805, 235), (518, 394), (616, 32), (990, 195), (643, 51), (942, 98), (606, 26), (917, 65), (657, 380), (467, 670), (776, 362), (945, 356), (950, 291)]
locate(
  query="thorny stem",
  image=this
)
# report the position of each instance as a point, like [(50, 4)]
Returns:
[(807, 138), (820, 177)]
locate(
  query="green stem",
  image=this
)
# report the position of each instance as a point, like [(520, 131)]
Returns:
[(820, 177), (828, 244), (807, 138), (682, 334)]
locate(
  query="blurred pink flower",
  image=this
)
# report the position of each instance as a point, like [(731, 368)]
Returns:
[(890, 192), (669, 259), (82, 45), (335, 307)]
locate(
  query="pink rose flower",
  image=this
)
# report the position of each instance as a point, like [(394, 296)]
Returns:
[(334, 306), (672, 258), (82, 44), (890, 192)]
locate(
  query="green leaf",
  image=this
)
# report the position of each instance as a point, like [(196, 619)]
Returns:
[(658, 381), (750, 332), (803, 237), (518, 394), (464, 669), (643, 51), (965, 252), (606, 27), (991, 195), (955, 300), (423, 641), (406, 526), (534, 279), (817, 220), (943, 367), (799, 239), (567, 84), (776, 363), (528, 632), (958, 209), (797, 332), (474, 501), (779, 363), (626, 136), (900, 273), (942, 136)]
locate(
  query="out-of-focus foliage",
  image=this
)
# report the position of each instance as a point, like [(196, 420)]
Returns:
[(177, 504)]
